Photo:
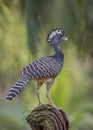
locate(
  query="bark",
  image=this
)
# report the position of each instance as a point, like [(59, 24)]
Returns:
[(47, 117)]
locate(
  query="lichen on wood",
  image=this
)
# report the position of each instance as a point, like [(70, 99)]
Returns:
[(47, 117)]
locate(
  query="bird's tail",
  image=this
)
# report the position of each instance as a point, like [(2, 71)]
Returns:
[(17, 87)]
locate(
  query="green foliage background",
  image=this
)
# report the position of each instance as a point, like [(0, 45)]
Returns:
[(24, 26)]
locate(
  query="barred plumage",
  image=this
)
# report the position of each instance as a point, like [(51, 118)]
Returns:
[(43, 70), (44, 67), (17, 87)]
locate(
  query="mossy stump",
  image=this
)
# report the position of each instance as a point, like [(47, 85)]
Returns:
[(47, 117)]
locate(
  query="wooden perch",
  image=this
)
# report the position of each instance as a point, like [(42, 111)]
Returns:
[(47, 117)]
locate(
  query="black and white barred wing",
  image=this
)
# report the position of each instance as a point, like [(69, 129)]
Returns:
[(17, 87), (44, 67)]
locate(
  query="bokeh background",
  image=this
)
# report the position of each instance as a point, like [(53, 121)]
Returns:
[(24, 25)]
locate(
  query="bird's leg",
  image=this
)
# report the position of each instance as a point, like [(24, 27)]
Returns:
[(49, 85), (37, 92)]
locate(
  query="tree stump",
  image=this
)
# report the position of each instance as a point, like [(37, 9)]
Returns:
[(47, 117)]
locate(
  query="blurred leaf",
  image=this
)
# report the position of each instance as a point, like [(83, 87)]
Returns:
[(11, 117), (35, 15)]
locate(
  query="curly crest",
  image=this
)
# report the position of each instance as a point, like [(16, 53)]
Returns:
[(54, 33)]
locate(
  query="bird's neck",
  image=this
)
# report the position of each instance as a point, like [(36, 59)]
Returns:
[(59, 56)]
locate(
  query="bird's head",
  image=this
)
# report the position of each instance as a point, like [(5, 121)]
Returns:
[(56, 36)]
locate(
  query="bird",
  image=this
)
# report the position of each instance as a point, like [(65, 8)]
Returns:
[(43, 70)]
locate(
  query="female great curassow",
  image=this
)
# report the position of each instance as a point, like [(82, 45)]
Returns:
[(44, 69)]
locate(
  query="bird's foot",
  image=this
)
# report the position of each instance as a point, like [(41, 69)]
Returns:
[(52, 104), (39, 104), (57, 108)]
